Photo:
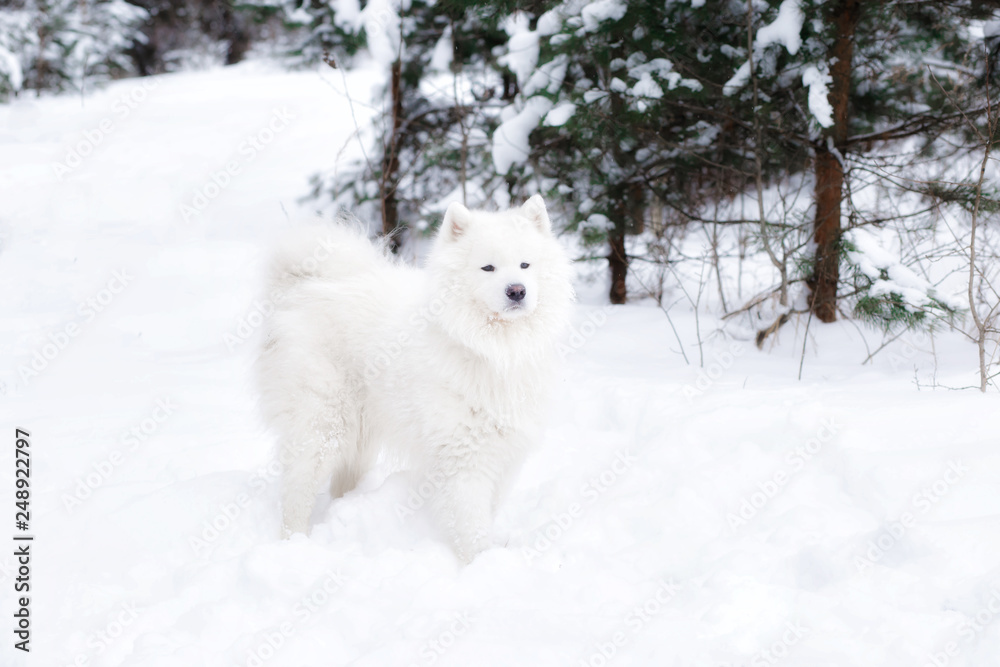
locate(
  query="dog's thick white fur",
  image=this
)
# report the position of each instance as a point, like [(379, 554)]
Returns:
[(444, 369)]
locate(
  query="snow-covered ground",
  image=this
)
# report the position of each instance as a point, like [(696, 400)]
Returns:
[(673, 515)]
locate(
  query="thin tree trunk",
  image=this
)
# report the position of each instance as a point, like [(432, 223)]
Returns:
[(627, 200), (390, 161), (830, 169), (618, 263), (40, 64), (981, 325), (780, 265), (629, 216)]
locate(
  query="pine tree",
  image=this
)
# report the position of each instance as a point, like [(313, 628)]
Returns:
[(440, 106), (626, 112), (867, 73), (640, 104), (66, 44)]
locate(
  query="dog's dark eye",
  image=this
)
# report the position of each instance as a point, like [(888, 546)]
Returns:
[(488, 267), (524, 265)]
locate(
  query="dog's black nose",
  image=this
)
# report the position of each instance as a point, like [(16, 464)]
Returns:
[(516, 292)]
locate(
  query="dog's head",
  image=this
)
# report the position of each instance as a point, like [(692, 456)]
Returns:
[(503, 275), (499, 258)]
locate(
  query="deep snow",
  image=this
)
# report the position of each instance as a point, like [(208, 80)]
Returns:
[(674, 515)]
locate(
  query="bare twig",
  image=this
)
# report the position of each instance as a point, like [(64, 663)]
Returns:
[(666, 311), (777, 324), (805, 340), (981, 323)]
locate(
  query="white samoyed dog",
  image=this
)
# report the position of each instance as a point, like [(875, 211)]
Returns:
[(444, 370)]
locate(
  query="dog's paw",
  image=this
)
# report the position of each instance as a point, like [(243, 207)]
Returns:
[(469, 546)]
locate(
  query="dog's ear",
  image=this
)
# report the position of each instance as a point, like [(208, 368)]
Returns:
[(534, 210), (456, 221)]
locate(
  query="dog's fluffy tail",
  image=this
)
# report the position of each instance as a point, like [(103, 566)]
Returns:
[(327, 252)]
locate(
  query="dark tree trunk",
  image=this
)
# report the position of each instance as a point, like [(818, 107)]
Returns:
[(40, 65), (509, 88), (630, 212), (618, 263), (829, 169), (390, 161), (239, 44), (627, 209), (234, 32), (826, 233)]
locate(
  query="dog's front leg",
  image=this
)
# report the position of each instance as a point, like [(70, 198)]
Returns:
[(464, 506)]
